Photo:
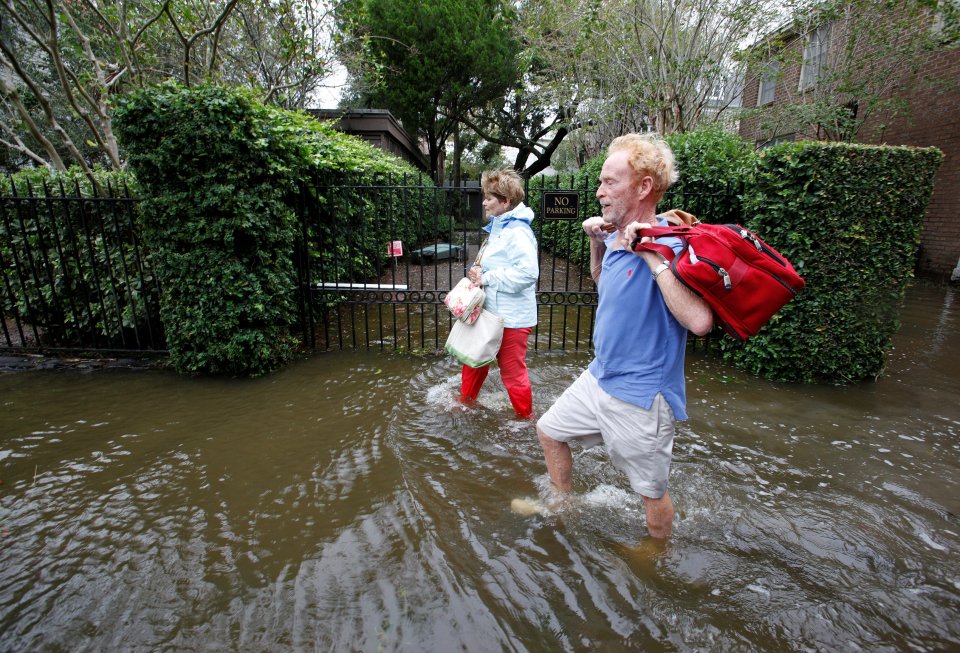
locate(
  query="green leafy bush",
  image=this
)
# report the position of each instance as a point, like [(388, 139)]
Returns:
[(713, 165), (224, 177), (215, 173), (849, 218), (71, 264)]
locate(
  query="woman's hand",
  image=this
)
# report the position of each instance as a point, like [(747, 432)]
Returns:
[(475, 275)]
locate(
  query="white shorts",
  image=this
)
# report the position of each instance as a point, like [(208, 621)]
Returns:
[(639, 442)]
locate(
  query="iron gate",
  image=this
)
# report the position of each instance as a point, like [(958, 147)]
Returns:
[(393, 298)]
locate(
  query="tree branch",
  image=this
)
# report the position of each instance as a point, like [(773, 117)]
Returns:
[(108, 144), (14, 96)]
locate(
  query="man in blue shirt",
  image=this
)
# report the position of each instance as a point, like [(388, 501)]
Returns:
[(633, 390)]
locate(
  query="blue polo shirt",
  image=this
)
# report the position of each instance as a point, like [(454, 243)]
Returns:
[(639, 345)]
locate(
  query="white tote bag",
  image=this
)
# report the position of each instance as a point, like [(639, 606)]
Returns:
[(476, 344)]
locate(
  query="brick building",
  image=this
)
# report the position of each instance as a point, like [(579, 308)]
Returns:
[(929, 114)]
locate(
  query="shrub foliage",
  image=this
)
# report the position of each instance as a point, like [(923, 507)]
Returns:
[(849, 218), (214, 172), (57, 237), (221, 174)]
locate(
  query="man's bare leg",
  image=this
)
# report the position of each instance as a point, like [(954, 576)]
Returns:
[(559, 462), (659, 515)]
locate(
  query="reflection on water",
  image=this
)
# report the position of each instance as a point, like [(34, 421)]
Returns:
[(344, 504)]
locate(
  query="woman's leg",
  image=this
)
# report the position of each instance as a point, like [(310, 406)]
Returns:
[(471, 378), (513, 370)]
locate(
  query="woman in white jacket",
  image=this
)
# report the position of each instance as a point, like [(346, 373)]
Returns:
[(508, 272)]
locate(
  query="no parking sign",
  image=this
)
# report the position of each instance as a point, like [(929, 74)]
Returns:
[(561, 205)]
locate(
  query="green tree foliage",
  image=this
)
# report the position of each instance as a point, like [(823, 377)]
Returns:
[(540, 111), (63, 62), (429, 63), (648, 64)]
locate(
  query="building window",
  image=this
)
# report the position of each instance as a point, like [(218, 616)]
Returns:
[(814, 56), (776, 140), (946, 22), (768, 83)]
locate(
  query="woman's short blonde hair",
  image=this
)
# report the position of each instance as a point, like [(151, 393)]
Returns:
[(504, 184), (649, 156)]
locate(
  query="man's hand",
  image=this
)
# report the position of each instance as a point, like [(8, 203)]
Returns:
[(597, 228), (632, 231)]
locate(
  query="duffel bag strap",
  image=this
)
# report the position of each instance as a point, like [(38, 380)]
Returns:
[(665, 252)]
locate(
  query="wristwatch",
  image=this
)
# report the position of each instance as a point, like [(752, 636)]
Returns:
[(659, 270)]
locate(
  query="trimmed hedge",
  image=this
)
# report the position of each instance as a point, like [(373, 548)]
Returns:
[(221, 173), (713, 167), (215, 172), (849, 218)]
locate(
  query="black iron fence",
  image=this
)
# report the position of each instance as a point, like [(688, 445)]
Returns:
[(375, 258), (73, 275)]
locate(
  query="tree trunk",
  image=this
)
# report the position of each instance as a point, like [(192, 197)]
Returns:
[(457, 153)]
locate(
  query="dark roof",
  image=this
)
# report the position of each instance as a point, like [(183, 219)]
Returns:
[(379, 128)]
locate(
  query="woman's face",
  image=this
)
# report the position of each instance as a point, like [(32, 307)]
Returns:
[(494, 206)]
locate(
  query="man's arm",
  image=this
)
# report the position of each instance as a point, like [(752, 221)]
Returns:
[(691, 311), (597, 250), (598, 230)]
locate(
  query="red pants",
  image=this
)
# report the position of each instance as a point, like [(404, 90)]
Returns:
[(513, 370)]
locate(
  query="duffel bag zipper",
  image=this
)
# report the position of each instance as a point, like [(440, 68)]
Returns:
[(763, 249), (694, 259), (728, 282)]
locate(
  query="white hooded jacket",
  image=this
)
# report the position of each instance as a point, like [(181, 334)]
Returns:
[(510, 266)]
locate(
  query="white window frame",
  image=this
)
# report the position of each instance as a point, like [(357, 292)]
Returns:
[(940, 26), (717, 93), (815, 46), (768, 83)]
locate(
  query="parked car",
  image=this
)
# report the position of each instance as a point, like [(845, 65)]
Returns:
[(437, 252)]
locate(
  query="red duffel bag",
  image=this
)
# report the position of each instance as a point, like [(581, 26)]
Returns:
[(744, 280)]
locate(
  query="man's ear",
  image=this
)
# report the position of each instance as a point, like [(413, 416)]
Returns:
[(645, 187)]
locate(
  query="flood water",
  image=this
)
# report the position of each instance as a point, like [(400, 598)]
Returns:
[(342, 505)]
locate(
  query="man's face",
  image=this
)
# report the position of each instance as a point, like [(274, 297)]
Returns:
[(618, 192)]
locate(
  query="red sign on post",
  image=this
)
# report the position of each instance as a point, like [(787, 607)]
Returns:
[(395, 248)]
